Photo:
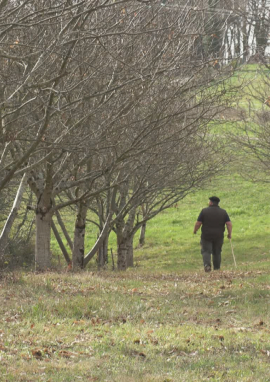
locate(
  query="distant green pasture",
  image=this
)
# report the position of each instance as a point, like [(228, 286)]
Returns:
[(171, 245)]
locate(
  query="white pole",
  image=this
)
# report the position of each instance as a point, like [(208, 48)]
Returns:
[(233, 253)]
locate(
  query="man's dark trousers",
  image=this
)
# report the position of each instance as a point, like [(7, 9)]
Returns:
[(213, 247)]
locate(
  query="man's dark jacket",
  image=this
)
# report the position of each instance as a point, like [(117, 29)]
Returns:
[(213, 220)]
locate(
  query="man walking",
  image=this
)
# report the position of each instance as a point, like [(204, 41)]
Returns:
[(213, 220)]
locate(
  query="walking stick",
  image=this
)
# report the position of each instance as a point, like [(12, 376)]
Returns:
[(233, 253)]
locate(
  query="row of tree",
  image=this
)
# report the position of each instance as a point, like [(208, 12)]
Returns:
[(105, 106), (235, 30)]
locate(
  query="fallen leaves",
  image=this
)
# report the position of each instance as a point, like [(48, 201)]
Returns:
[(265, 352), (12, 318), (173, 319), (66, 354), (79, 322), (241, 330), (230, 311), (224, 303), (218, 337), (47, 353), (141, 354), (138, 354), (37, 353)]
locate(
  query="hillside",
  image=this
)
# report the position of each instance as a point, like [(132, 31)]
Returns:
[(164, 320)]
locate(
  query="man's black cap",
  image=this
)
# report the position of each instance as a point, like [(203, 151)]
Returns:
[(214, 199)]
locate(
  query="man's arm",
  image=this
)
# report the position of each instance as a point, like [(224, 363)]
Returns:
[(229, 229), (197, 226)]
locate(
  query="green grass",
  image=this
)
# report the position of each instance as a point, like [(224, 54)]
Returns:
[(171, 244), (163, 320), (135, 326)]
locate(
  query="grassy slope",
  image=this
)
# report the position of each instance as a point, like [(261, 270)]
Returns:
[(172, 246), (165, 320)]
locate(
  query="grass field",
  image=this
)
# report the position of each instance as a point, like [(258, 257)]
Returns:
[(136, 327), (165, 319), (172, 246)]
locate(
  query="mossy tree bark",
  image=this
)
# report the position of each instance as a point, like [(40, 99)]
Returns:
[(79, 236), (124, 232), (42, 186)]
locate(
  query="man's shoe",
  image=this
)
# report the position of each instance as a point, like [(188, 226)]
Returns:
[(207, 268)]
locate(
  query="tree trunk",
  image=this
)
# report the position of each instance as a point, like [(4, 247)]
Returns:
[(125, 240), (245, 42), (43, 189), (125, 253), (121, 245), (103, 252), (79, 236), (78, 243), (12, 216), (122, 256), (130, 262), (142, 235), (43, 239), (105, 248), (100, 259)]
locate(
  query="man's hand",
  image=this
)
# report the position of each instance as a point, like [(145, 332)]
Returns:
[(229, 229), (197, 226)]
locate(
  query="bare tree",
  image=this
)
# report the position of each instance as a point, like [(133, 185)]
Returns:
[(91, 89), (182, 168)]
